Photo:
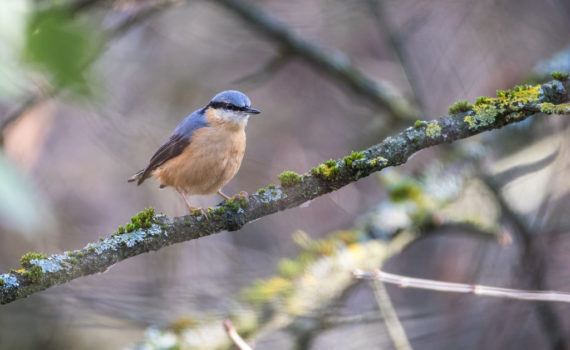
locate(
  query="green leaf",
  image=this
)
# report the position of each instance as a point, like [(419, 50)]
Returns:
[(13, 17), (62, 46)]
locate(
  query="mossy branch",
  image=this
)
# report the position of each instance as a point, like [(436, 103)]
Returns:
[(155, 232)]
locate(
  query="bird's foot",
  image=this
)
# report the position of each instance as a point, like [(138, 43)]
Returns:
[(241, 195), (195, 211)]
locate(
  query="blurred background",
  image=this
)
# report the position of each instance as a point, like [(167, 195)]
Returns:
[(90, 89)]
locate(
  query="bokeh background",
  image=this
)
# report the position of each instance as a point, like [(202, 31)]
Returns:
[(100, 100)]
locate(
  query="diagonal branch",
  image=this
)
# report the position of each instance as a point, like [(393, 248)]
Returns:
[(391, 320), (378, 12), (234, 336), (148, 232), (333, 64)]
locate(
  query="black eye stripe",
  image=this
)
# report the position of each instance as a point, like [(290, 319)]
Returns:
[(227, 106)]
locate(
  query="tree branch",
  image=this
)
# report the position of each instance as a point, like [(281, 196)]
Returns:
[(160, 231), (333, 64), (391, 320), (143, 14), (18, 111), (234, 336), (378, 11), (533, 263), (451, 287)]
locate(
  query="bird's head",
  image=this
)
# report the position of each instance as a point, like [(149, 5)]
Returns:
[(231, 106)]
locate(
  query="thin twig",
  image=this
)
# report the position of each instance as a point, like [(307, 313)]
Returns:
[(393, 324), (507, 176), (234, 336), (439, 286)]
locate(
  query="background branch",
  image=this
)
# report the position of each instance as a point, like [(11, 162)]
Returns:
[(393, 324), (234, 336), (533, 257), (378, 12), (333, 64), (421, 283), (124, 26)]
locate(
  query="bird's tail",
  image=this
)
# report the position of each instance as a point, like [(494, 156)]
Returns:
[(136, 177)]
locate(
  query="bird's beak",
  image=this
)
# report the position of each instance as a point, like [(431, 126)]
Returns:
[(252, 110)]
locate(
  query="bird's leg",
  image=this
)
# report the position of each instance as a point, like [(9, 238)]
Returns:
[(192, 208), (224, 196)]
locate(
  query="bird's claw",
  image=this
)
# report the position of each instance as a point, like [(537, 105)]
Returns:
[(240, 195), (194, 211), (204, 214)]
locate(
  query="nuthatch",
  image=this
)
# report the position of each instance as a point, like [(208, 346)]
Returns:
[(205, 150)]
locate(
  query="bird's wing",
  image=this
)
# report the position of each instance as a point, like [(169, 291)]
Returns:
[(170, 149), (180, 139)]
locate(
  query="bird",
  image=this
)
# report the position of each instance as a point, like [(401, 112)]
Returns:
[(205, 151)]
